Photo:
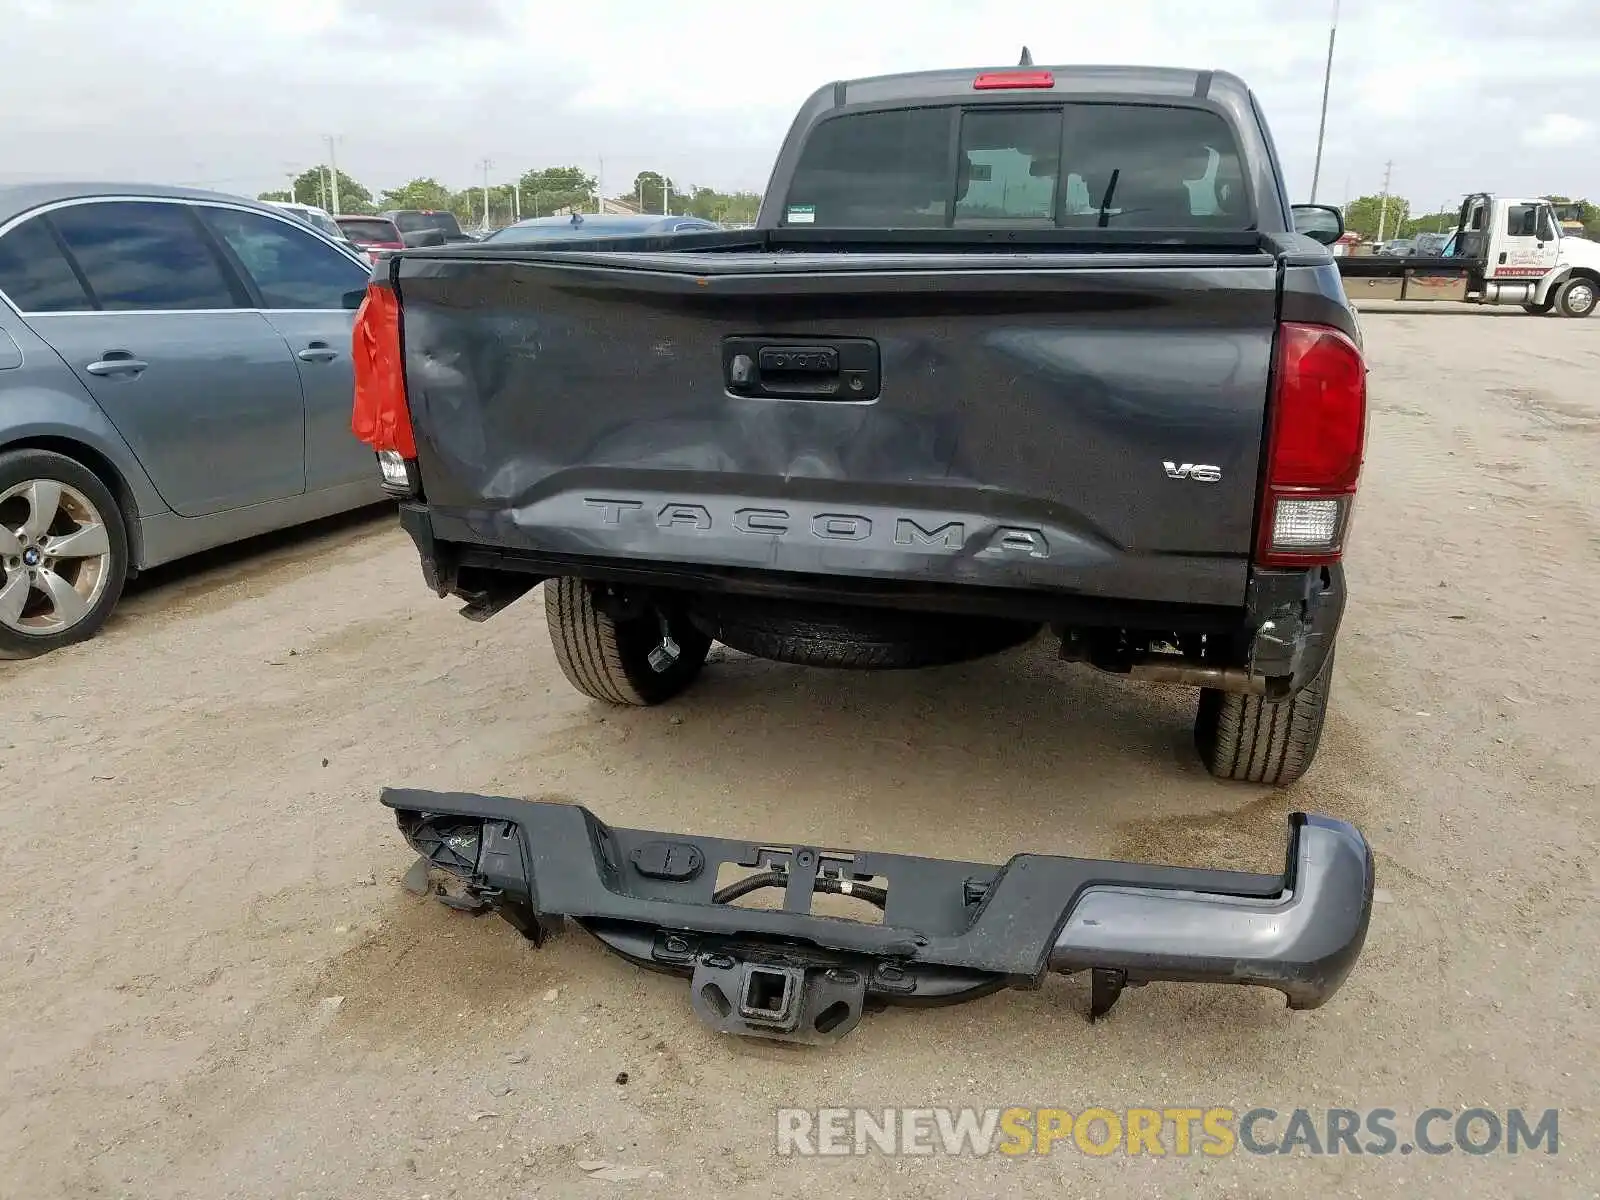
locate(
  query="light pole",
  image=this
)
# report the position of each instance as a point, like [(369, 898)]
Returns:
[(1322, 123), (1383, 204), (487, 163), (333, 173)]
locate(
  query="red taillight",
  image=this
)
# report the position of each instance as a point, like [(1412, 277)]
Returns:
[(996, 80), (1316, 436), (380, 417)]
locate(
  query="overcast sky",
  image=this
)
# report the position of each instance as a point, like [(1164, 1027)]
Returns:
[(1463, 95)]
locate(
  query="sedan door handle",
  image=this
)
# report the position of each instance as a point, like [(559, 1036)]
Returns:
[(117, 362), (318, 352)]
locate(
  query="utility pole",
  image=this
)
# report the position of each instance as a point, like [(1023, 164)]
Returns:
[(333, 172), (1322, 123), (487, 163), (600, 188), (666, 197), (1383, 204)]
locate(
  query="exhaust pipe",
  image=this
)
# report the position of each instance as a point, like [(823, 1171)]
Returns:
[(1223, 679)]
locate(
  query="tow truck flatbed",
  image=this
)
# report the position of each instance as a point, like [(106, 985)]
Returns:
[(1365, 266), (1503, 251)]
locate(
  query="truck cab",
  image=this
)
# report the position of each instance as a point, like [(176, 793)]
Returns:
[(1505, 250), (1522, 257)]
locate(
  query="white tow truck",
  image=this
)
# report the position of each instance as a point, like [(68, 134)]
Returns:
[(1504, 251)]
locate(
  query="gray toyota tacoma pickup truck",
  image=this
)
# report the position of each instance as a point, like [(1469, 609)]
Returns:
[(1007, 351)]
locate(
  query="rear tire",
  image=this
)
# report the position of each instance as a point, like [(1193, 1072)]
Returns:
[(1577, 297), (609, 659), (63, 552), (1252, 740)]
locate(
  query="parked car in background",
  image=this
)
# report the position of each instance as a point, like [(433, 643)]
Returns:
[(174, 374), (371, 234), (319, 219), (415, 224), (541, 229), (1397, 248)]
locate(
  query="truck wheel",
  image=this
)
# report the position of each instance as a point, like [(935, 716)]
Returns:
[(627, 661), (1262, 741), (1540, 309), (63, 552), (1576, 297)]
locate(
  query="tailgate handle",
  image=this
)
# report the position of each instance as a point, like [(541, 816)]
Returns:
[(839, 369)]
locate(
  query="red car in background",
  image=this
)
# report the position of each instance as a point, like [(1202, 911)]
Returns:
[(372, 234)]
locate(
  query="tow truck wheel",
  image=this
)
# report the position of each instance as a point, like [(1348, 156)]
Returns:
[(1253, 740), (647, 658), (1540, 309), (1577, 297)]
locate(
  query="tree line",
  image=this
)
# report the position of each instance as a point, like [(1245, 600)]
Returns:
[(543, 192), (1367, 214)]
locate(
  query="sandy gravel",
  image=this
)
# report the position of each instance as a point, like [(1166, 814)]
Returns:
[(195, 869)]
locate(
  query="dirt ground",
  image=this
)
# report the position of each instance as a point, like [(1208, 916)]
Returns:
[(212, 984)]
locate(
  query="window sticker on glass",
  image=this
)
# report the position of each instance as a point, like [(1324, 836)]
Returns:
[(802, 214)]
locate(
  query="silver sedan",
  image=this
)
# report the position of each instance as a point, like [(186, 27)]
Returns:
[(174, 374)]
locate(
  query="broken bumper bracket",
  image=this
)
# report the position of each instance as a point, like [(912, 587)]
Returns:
[(951, 931)]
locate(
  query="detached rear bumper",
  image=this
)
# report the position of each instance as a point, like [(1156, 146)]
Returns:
[(951, 931)]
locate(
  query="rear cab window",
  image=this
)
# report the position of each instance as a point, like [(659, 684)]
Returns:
[(369, 229), (1073, 165), (415, 222)]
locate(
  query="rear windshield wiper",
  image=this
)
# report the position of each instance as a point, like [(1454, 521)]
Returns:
[(1105, 201)]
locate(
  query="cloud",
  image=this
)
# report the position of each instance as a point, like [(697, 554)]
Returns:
[(235, 96), (407, 20), (1558, 129)]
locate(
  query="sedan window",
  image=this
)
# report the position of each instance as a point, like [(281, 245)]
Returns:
[(144, 255), (291, 268), (35, 274)]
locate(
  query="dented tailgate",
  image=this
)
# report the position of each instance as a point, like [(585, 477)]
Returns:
[(1086, 423)]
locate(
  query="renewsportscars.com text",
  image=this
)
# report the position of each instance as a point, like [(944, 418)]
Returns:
[(1165, 1131)]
